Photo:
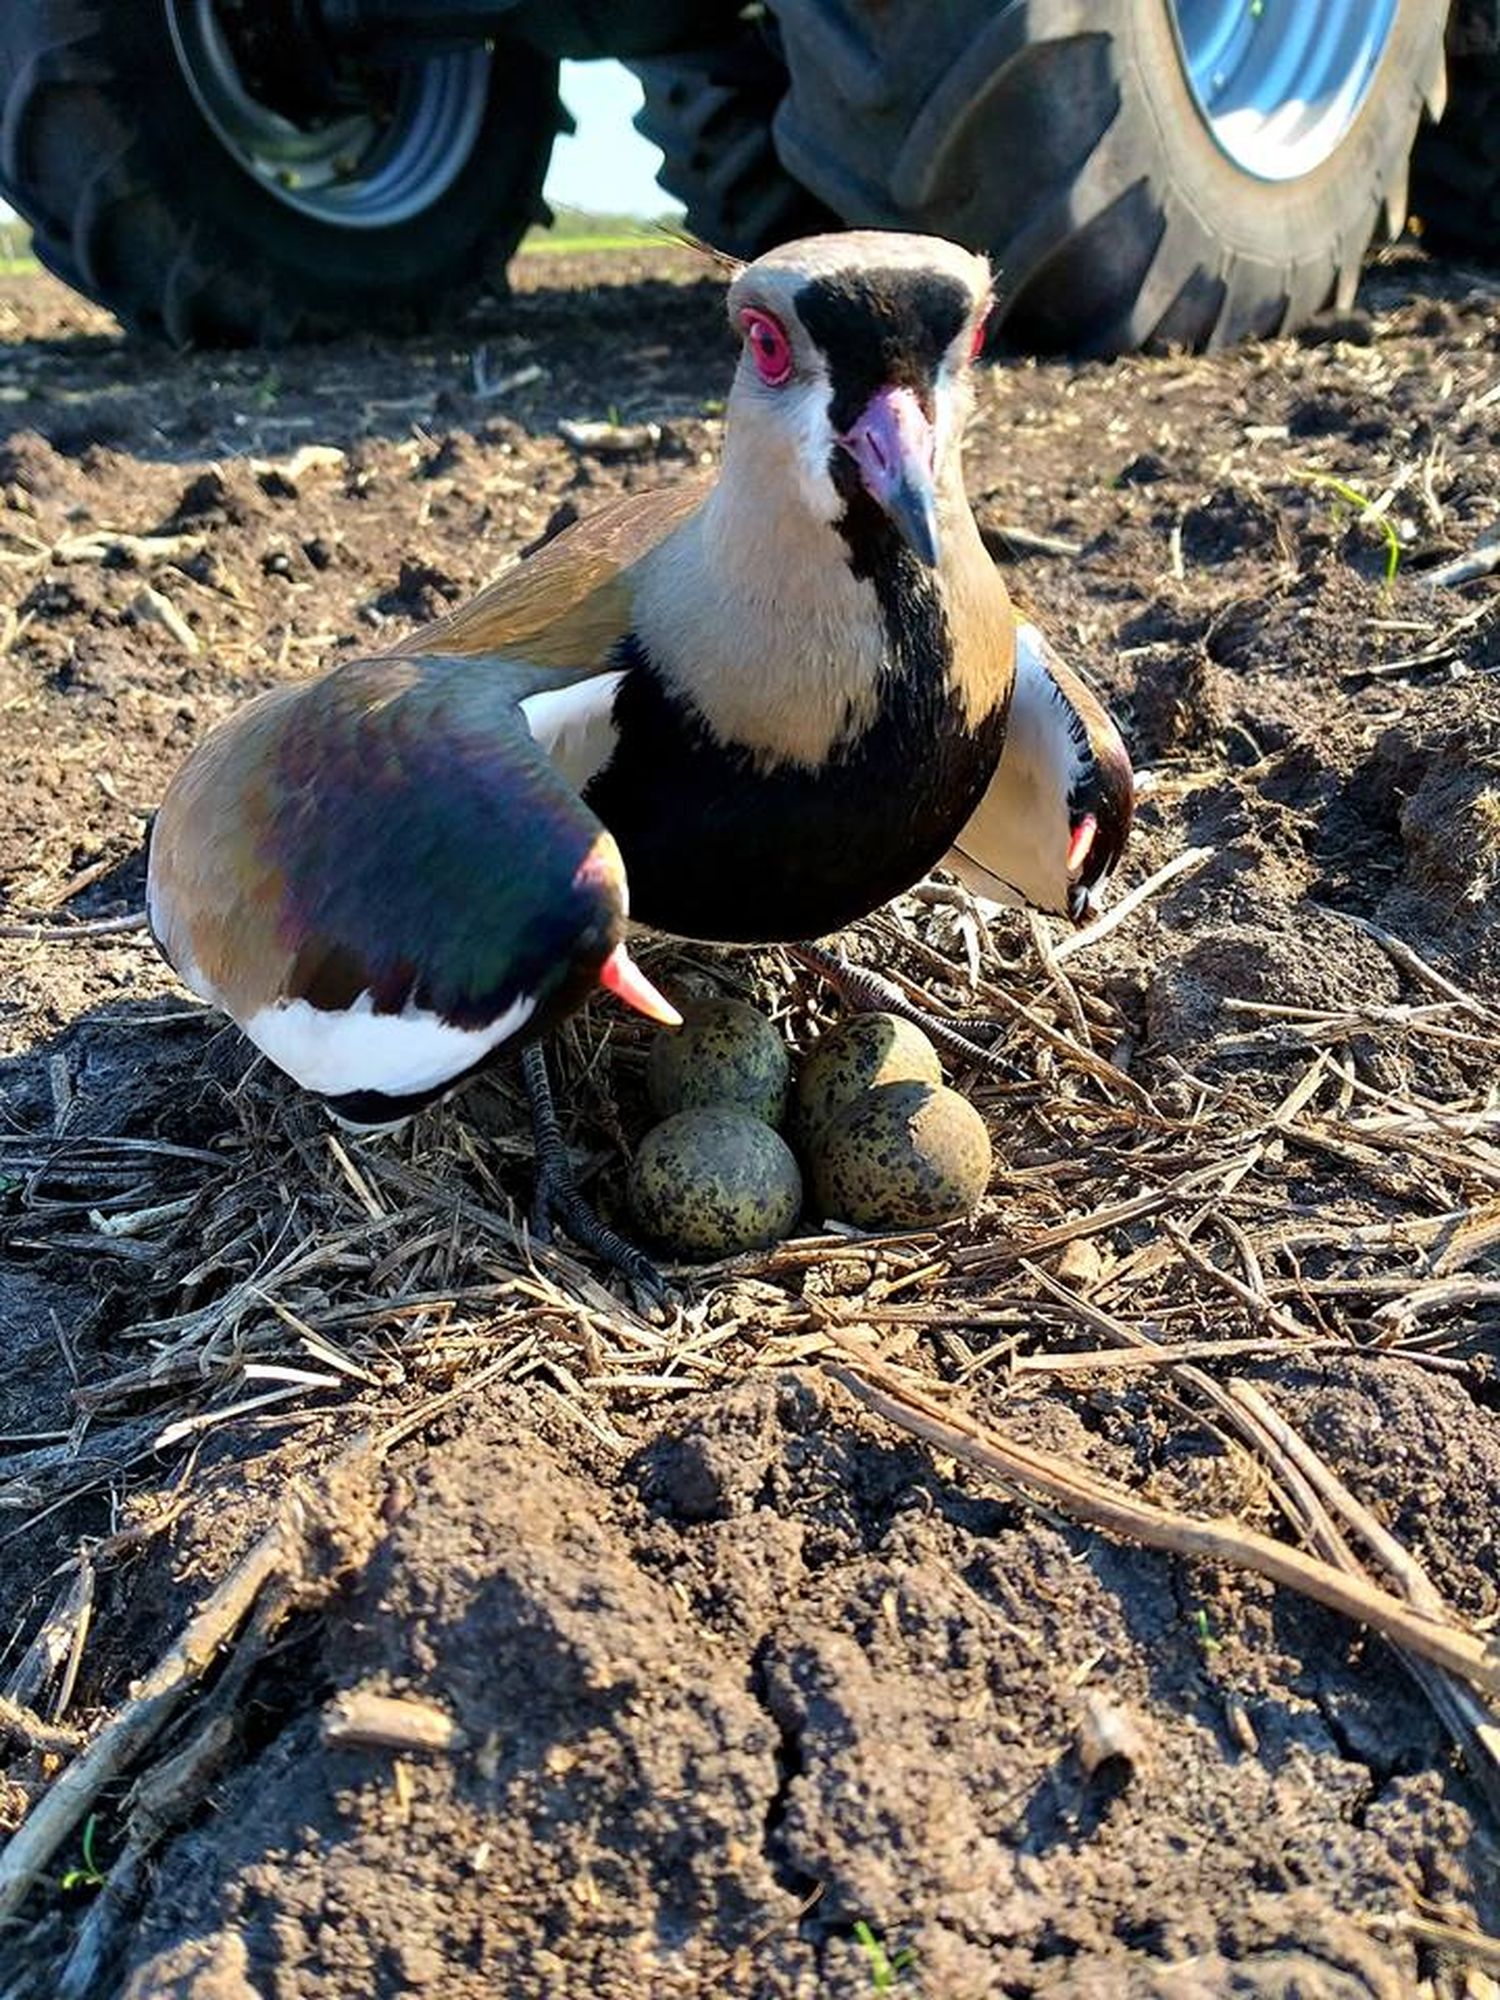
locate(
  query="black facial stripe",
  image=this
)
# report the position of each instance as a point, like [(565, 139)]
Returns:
[(877, 328), (904, 588)]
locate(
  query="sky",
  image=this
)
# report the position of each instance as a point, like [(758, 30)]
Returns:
[(606, 165)]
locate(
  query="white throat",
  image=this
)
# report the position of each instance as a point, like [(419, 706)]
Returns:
[(751, 610)]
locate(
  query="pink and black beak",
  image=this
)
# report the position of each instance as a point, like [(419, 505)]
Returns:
[(621, 976), (1084, 882), (892, 444), (601, 877)]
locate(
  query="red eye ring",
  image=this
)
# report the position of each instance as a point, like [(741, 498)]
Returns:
[(769, 347)]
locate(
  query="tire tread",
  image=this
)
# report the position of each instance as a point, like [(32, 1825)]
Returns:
[(1013, 127), (710, 112), (107, 223), (1456, 171)]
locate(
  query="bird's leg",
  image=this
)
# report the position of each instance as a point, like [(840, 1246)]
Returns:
[(556, 1197), (868, 993)]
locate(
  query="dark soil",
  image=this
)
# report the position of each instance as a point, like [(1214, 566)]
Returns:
[(759, 1698)]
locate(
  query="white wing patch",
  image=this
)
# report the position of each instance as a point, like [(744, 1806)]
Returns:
[(354, 1049), (399, 1055), (575, 725), (1014, 849)]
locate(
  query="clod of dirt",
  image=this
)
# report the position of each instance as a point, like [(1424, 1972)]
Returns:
[(215, 1967), (1109, 1736), (56, 597), (1423, 1423), (714, 1467), (422, 591), (210, 500), (1450, 829), (1178, 701), (1145, 469), (1356, 328), (33, 466), (1230, 522), (451, 451), (1297, 959), (607, 1823), (1330, 414)]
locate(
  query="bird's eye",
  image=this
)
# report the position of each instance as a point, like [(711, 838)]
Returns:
[(976, 339), (769, 347)]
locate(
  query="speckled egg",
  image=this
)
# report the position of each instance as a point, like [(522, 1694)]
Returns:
[(866, 1050), (724, 1053), (713, 1181), (901, 1156)]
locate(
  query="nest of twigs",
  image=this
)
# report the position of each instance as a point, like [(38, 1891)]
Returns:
[(285, 1262), (283, 1270)]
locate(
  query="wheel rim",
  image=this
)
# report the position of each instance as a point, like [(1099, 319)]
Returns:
[(1279, 82), (371, 167)]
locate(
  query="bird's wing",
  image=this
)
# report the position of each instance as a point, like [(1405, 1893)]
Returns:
[(1051, 826), (567, 605), (380, 875)]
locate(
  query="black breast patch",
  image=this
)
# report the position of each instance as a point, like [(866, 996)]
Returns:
[(716, 847)]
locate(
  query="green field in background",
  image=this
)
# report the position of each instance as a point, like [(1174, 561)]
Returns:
[(577, 230), (572, 231), (15, 249), (541, 242)]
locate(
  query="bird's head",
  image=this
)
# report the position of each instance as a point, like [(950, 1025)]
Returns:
[(1100, 804), (589, 946), (855, 358), (1077, 818)]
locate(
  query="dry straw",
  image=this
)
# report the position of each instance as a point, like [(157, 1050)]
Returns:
[(280, 1275)]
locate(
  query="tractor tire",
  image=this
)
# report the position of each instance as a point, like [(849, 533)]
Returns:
[(1456, 173), (710, 112), (117, 145), (1068, 139)]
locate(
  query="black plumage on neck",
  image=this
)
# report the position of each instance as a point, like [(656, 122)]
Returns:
[(911, 608)]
